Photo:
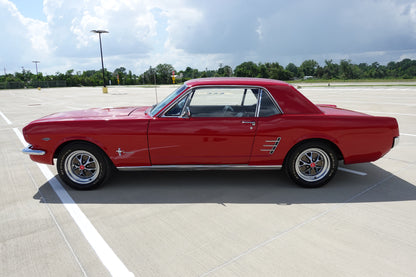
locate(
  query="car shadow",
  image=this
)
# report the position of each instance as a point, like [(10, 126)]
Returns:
[(251, 187)]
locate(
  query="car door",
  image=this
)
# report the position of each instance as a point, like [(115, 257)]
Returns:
[(271, 133), (209, 126)]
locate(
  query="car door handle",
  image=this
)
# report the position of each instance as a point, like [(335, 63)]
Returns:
[(253, 123)]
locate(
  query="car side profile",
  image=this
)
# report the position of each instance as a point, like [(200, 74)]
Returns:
[(211, 123)]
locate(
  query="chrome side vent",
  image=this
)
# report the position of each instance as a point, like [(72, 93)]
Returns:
[(271, 145)]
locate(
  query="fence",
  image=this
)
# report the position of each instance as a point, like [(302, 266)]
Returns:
[(33, 84)]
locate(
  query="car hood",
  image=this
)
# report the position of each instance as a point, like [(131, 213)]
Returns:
[(96, 113)]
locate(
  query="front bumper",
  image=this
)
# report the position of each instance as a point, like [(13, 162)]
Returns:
[(30, 151)]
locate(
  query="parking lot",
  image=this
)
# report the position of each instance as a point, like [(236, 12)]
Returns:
[(209, 223)]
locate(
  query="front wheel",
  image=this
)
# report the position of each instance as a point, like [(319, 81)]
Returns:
[(312, 164), (83, 166)]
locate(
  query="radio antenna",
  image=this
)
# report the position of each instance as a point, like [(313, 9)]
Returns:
[(154, 77)]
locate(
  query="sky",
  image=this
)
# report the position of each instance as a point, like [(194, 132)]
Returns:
[(201, 34)]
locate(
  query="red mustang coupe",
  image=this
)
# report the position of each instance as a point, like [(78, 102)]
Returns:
[(214, 123)]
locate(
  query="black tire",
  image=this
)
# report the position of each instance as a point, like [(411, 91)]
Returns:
[(83, 166), (312, 164)]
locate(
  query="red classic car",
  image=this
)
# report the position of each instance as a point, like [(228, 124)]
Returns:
[(213, 123)]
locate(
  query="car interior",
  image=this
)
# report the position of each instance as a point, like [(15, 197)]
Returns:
[(224, 102)]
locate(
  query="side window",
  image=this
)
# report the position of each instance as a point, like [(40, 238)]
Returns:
[(267, 106), (223, 102), (176, 110)]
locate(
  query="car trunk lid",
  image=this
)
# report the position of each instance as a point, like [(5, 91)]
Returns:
[(334, 110)]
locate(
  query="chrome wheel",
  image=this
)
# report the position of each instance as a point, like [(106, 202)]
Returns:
[(312, 164), (82, 167)]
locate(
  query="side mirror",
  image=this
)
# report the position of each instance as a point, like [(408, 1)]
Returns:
[(186, 113)]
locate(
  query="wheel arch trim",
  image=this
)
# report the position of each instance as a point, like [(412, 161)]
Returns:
[(336, 148), (67, 142)]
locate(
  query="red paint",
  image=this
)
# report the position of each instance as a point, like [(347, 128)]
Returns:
[(147, 140)]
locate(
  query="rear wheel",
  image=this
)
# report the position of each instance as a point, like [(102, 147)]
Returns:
[(312, 164), (83, 166)]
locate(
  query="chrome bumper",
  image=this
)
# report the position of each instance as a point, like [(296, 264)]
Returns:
[(28, 150), (395, 141)]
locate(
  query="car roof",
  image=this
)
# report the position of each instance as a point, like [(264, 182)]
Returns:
[(227, 81), (290, 100)]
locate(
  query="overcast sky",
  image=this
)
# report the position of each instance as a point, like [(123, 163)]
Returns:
[(201, 34)]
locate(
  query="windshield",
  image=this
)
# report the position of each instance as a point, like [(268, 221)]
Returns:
[(166, 101)]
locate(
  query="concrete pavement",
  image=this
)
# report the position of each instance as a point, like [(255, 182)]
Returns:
[(249, 223)]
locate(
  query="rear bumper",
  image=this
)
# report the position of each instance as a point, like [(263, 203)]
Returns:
[(30, 151), (395, 141)]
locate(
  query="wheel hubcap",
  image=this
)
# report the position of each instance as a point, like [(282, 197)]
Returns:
[(312, 164), (82, 167)]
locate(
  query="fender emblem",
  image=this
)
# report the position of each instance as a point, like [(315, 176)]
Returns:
[(119, 151)]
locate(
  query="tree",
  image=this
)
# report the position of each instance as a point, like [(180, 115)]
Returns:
[(121, 72), (294, 69), (224, 71), (246, 69), (330, 70), (346, 69), (164, 73), (263, 71), (407, 68), (376, 70), (190, 73), (150, 76), (309, 67)]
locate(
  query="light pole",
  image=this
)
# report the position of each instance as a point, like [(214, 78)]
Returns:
[(36, 62), (99, 32), (37, 74)]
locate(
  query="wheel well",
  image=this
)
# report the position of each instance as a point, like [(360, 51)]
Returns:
[(60, 147), (327, 142)]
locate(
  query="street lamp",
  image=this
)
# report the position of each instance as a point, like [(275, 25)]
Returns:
[(37, 74), (99, 32), (36, 62)]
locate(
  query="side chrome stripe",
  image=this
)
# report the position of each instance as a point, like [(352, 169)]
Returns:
[(199, 167)]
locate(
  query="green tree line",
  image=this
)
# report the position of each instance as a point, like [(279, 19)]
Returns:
[(162, 74)]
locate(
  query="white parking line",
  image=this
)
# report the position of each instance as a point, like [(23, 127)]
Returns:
[(404, 114), (43, 200), (5, 118), (410, 135), (352, 171), (107, 256), (378, 103), (300, 225)]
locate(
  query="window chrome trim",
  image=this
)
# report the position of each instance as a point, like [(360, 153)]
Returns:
[(191, 90), (163, 114), (199, 167), (258, 103), (273, 101), (163, 109), (167, 109)]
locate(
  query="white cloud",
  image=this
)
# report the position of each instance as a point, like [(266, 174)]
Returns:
[(203, 34), (23, 39)]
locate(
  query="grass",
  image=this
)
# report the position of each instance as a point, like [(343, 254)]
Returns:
[(360, 83)]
